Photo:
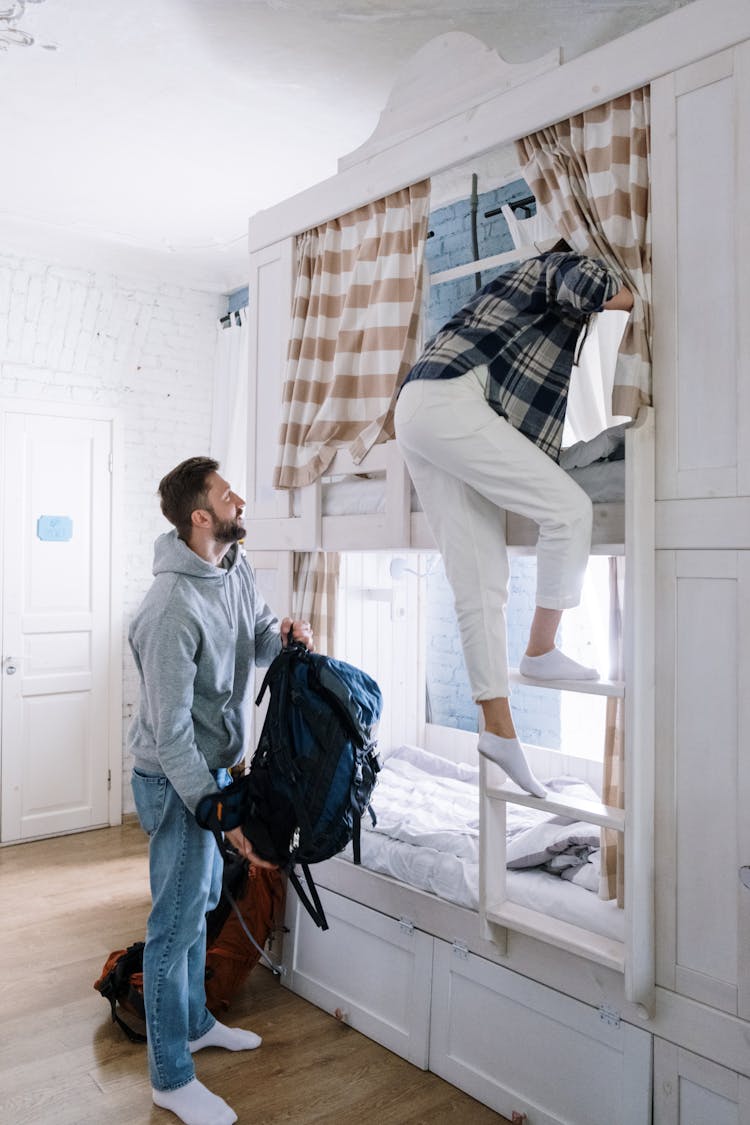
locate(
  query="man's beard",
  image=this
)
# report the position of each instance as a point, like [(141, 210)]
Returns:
[(228, 531)]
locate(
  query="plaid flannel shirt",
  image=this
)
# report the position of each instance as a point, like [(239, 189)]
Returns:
[(524, 325)]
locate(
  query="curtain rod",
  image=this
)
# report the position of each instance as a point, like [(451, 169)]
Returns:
[(524, 203)]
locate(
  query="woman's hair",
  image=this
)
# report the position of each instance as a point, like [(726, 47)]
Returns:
[(183, 490)]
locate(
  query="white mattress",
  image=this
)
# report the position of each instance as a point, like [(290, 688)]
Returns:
[(427, 836)]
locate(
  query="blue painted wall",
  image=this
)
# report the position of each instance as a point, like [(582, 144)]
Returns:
[(451, 245)]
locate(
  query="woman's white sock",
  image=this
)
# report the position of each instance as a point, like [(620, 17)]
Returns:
[(194, 1104), (555, 665), (508, 754), (230, 1038)]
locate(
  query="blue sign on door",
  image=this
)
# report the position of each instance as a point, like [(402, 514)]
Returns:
[(54, 529)]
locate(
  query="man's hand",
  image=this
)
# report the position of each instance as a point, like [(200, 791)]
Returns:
[(301, 631), (241, 844)]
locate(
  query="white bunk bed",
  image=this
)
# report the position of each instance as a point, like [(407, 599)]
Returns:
[(396, 913), (529, 921), (466, 991)]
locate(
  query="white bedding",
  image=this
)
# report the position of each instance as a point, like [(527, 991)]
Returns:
[(427, 835)]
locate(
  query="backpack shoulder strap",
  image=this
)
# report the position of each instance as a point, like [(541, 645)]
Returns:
[(357, 833), (312, 905), (356, 838)]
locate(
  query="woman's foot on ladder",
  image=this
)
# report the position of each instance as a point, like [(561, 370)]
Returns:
[(509, 755), (555, 665)]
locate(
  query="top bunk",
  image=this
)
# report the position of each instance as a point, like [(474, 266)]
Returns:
[(373, 505), (368, 502), (441, 124)]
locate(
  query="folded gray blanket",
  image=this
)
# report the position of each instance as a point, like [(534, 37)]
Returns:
[(558, 848)]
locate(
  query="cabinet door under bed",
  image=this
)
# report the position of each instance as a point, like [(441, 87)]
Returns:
[(374, 969), (522, 1048)]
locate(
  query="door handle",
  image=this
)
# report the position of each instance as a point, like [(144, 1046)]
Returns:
[(11, 667)]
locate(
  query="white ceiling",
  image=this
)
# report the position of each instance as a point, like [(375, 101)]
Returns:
[(144, 133)]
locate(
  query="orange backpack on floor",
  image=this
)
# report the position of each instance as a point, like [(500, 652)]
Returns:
[(258, 894), (230, 955)]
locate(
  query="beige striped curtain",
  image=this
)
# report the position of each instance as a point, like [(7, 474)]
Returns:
[(612, 880), (355, 322), (590, 176), (316, 583)]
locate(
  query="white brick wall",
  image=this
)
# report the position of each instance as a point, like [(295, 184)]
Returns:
[(144, 348)]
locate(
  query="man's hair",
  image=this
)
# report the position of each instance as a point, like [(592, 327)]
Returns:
[(183, 490)]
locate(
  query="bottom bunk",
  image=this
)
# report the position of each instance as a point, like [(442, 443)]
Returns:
[(403, 961), (427, 836)]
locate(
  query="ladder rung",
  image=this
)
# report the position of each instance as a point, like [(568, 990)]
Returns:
[(564, 935), (590, 812), (614, 688)]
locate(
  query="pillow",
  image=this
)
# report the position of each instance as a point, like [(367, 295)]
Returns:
[(607, 446)]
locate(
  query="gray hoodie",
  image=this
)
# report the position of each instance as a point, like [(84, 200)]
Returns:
[(196, 638)]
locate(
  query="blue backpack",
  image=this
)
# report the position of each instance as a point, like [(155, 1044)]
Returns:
[(311, 777)]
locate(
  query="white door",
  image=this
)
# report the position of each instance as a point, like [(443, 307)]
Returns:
[(55, 681)]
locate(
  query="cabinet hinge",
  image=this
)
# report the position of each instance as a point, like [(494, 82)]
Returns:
[(110, 462), (109, 781), (609, 1015), (407, 926), (461, 950)]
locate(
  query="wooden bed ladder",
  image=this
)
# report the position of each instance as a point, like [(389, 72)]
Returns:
[(635, 956)]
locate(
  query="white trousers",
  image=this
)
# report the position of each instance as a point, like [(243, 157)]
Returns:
[(469, 466)]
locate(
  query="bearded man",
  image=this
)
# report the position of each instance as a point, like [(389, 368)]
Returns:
[(196, 640)]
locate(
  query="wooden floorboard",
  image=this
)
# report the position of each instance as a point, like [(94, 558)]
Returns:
[(65, 904)]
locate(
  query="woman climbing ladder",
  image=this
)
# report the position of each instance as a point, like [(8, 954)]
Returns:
[(479, 421)]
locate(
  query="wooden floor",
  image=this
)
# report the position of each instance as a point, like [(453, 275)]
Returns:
[(64, 905)]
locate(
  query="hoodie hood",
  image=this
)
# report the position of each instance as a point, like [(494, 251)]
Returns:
[(173, 556), (196, 638)]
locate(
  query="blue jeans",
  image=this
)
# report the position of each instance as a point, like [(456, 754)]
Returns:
[(185, 870)]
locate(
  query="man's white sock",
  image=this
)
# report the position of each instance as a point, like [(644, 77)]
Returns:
[(508, 754), (230, 1038), (194, 1104), (555, 665)]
